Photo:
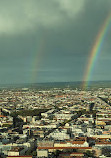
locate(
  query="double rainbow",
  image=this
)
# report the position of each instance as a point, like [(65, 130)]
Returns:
[(95, 51)]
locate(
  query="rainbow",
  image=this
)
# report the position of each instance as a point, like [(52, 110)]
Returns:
[(36, 60), (95, 51)]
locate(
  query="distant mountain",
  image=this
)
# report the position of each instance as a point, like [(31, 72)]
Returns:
[(77, 84)]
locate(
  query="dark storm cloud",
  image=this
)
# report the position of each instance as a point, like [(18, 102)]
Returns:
[(74, 41), (78, 34), (68, 29)]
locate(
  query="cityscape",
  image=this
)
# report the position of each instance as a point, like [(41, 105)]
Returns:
[(55, 122), (55, 80)]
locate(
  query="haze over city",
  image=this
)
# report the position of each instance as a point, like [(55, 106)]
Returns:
[(51, 41)]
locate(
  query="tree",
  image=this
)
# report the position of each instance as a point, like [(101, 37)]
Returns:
[(88, 154), (34, 153), (106, 151)]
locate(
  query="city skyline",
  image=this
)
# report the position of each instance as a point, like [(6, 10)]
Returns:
[(51, 41)]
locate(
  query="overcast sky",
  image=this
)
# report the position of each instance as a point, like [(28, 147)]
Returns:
[(50, 40)]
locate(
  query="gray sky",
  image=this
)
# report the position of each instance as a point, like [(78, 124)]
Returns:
[(50, 40)]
